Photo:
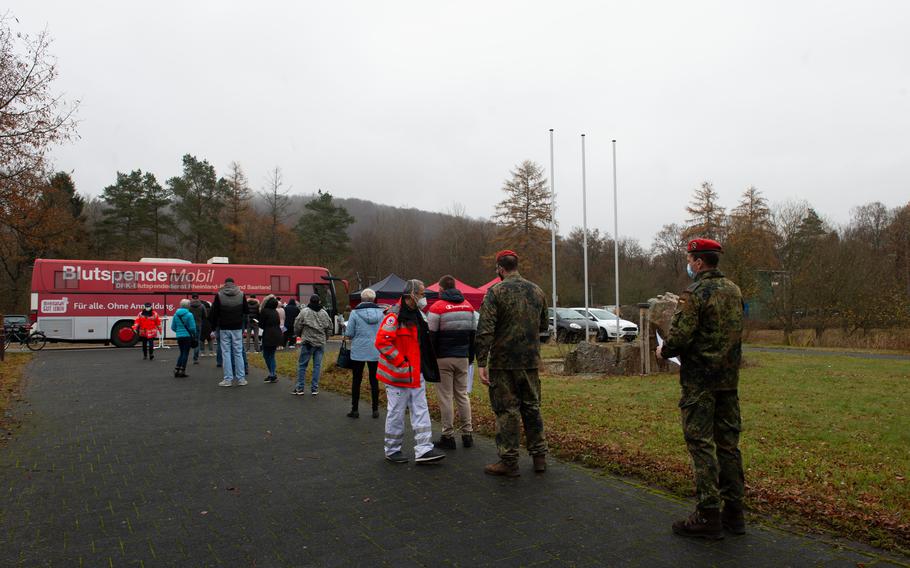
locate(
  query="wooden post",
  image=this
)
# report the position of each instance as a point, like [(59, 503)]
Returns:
[(643, 336), (2, 338)]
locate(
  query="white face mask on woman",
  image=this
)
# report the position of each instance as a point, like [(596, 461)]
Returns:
[(421, 303)]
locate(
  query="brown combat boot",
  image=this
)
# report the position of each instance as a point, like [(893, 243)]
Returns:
[(701, 524), (540, 462), (732, 518), (502, 468)]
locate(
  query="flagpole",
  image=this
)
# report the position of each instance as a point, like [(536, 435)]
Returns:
[(584, 221), (553, 226), (616, 239)]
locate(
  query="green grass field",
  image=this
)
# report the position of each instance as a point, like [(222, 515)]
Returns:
[(825, 441)]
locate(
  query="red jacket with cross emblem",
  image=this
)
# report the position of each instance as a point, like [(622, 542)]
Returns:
[(399, 352)]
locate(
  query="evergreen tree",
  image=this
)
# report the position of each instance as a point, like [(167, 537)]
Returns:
[(199, 202), (323, 232), (154, 220), (706, 217), (122, 217), (63, 183), (524, 216)]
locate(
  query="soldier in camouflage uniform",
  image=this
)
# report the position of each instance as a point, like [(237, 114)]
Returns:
[(507, 345), (706, 334)]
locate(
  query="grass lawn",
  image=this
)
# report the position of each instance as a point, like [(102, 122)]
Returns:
[(10, 381), (825, 439)]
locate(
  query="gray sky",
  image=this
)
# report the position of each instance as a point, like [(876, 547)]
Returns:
[(425, 104)]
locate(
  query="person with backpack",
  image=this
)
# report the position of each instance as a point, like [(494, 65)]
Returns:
[(314, 326)]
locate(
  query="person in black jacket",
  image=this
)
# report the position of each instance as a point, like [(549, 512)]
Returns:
[(291, 311), (252, 327), (228, 311), (200, 314), (271, 335), (452, 322)]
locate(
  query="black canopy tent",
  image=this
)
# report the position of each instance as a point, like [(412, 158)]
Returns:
[(388, 291)]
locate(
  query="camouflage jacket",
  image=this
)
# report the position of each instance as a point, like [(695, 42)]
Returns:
[(706, 333), (512, 316)]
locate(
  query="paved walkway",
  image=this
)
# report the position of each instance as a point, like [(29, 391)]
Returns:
[(119, 464)]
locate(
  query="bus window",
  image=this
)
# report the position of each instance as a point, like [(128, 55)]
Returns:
[(304, 291), (281, 283), (326, 294)]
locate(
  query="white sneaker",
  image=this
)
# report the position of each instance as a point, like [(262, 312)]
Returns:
[(241, 383), (225, 383)]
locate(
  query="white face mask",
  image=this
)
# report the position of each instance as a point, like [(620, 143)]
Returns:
[(421, 303)]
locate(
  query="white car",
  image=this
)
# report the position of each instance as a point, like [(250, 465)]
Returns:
[(607, 325)]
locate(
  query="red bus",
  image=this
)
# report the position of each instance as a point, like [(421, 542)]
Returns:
[(92, 300)]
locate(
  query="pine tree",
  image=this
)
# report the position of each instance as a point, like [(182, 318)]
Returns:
[(199, 201), (524, 216), (154, 219), (121, 221), (706, 217), (323, 232)]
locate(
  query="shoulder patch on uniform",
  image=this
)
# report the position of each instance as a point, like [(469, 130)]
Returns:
[(692, 287), (391, 323)]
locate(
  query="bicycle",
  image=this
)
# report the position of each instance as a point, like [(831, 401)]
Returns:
[(34, 341)]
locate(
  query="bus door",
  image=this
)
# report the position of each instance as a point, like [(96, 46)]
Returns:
[(326, 293)]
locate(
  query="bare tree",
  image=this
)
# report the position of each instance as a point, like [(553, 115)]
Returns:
[(32, 116), (276, 200)]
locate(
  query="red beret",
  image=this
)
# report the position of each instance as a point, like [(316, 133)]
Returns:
[(704, 245), (506, 252)]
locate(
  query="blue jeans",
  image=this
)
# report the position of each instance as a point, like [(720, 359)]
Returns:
[(184, 344), (268, 354), (219, 360), (231, 343), (307, 351)]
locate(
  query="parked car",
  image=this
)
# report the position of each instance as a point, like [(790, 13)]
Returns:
[(16, 323), (570, 325), (607, 327)]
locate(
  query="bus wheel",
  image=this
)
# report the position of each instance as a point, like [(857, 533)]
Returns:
[(122, 335)]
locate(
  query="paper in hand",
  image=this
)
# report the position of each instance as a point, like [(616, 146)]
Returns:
[(660, 342)]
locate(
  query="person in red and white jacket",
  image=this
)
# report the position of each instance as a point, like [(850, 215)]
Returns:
[(147, 326), (452, 322), (406, 362)]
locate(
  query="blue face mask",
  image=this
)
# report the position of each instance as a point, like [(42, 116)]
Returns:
[(692, 274)]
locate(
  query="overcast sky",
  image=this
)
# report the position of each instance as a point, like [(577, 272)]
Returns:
[(430, 103)]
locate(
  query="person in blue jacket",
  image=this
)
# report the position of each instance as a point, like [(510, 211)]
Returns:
[(362, 327), (183, 324)]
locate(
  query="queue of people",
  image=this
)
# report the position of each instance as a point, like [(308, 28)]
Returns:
[(405, 346)]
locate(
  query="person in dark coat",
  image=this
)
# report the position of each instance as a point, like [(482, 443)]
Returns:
[(291, 311), (272, 337)]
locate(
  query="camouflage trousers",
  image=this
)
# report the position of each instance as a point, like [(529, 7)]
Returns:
[(711, 424), (515, 398)]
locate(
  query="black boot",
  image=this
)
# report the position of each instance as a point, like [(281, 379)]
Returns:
[(703, 523), (467, 440), (353, 414), (732, 518), (445, 443), (176, 372)]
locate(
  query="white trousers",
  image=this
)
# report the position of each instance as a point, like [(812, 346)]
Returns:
[(414, 401)]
